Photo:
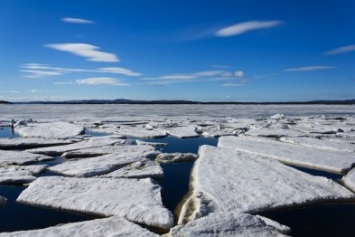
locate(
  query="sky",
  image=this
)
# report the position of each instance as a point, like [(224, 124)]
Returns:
[(202, 50)]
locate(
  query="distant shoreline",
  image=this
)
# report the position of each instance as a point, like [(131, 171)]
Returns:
[(175, 102)]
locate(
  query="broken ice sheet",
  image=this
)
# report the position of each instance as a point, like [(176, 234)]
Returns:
[(88, 167), (140, 169), (183, 131), (137, 200), (175, 157), (19, 174), (349, 180), (30, 142), (113, 226), (228, 224), (293, 154), (49, 130), (141, 132), (228, 180), (21, 157)]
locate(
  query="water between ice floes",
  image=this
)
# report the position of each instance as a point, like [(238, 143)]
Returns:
[(324, 220)]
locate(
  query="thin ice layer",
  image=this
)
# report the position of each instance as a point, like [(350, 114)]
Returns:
[(183, 131), (30, 142), (314, 158), (227, 225), (227, 180), (49, 130), (113, 226), (349, 180), (136, 200), (21, 157)]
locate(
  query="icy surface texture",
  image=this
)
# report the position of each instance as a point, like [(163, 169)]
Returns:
[(175, 157), (136, 200), (227, 180), (29, 142), (183, 132), (21, 157), (49, 130), (19, 174), (113, 226), (314, 158), (349, 180), (227, 224)]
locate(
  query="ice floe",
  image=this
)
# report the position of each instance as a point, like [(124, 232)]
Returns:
[(228, 180), (141, 132), (93, 142), (49, 130), (183, 132), (320, 143), (113, 226), (228, 224), (137, 200), (21, 157), (19, 174), (30, 142), (140, 169), (274, 132), (175, 157), (88, 167), (314, 158), (349, 180)]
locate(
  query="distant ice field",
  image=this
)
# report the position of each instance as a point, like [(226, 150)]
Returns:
[(107, 112)]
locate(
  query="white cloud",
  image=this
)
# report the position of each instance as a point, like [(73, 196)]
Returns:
[(231, 84), (62, 83), (309, 68), (119, 70), (88, 51), (244, 27), (239, 74), (100, 81), (341, 50), (76, 20), (40, 73)]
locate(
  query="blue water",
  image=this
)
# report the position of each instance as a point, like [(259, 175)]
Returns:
[(7, 132)]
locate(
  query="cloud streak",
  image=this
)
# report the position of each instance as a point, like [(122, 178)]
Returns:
[(341, 50), (76, 20), (309, 68), (95, 81), (245, 27), (88, 51), (119, 70)]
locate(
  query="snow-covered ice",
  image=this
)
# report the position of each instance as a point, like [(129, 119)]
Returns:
[(30, 142), (19, 174), (139, 169), (323, 143), (274, 132), (183, 131), (21, 157), (175, 157), (228, 180), (88, 167), (113, 226), (349, 180), (138, 201), (49, 130), (140, 132), (228, 224), (314, 158)]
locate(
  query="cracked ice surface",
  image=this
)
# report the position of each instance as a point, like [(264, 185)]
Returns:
[(314, 158), (349, 180), (101, 196), (49, 130), (141, 132), (227, 225), (183, 132), (113, 226), (30, 142), (228, 180), (19, 174), (21, 157), (88, 167), (139, 169)]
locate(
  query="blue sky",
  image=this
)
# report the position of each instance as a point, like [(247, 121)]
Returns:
[(202, 50)]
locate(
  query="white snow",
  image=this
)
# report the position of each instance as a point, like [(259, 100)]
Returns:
[(183, 132), (139, 142), (228, 180), (49, 130), (349, 180), (30, 142), (141, 132), (21, 157), (274, 132), (136, 200), (322, 143), (314, 158), (88, 167), (139, 169), (113, 226), (228, 224), (175, 157), (19, 174)]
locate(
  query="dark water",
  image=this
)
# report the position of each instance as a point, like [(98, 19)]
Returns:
[(319, 173), (7, 132)]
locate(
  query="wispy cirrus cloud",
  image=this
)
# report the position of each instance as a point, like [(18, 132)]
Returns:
[(245, 27), (77, 20), (39, 73), (88, 51), (119, 70), (309, 68), (232, 84), (341, 50), (95, 81)]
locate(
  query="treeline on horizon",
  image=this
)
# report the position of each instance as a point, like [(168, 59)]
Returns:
[(123, 101)]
